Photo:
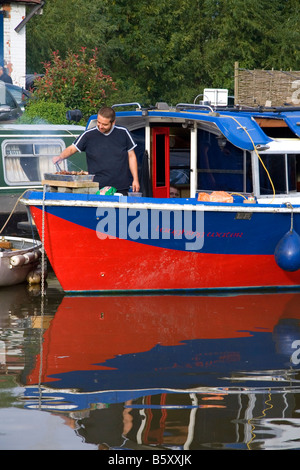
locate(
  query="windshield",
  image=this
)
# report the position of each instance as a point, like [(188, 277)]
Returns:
[(283, 170)]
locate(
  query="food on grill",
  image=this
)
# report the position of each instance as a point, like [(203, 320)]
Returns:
[(76, 173)]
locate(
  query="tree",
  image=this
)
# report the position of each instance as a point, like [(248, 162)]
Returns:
[(75, 81), (240, 30), (285, 53), (169, 50), (65, 25), (157, 46)]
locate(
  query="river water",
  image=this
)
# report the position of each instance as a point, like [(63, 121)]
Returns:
[(165, 373)]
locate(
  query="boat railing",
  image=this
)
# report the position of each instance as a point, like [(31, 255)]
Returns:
[(164, 106), (204, 100), (122, 105), (180, 106)]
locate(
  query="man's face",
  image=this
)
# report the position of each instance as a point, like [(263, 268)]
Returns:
[(174, 192), (104, 124)]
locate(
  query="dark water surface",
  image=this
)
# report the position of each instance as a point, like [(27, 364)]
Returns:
[(148, 372)]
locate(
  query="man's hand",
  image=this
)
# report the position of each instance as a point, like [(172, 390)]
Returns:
[(56, 160), (133, 166), (135, 186), (65, 154)]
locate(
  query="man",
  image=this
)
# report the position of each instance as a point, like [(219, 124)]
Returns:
[(174, 192), (110, 153), (4, 77)]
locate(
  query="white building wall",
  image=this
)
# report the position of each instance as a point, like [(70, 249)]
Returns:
[(15, 45)]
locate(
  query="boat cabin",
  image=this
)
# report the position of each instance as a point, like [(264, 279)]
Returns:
[(204, 148), (26, 155)]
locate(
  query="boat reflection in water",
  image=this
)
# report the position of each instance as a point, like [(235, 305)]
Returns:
[(173, 372)]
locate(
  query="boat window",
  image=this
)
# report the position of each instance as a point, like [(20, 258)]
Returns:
[(27, 160), (180, 141), (283, 173), (222, 166), (160, 160)]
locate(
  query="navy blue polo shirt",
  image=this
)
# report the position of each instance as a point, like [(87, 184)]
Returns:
[(107, 155)]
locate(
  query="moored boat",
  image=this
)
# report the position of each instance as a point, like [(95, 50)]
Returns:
[(235, 224), (19, 260), (26, 154)]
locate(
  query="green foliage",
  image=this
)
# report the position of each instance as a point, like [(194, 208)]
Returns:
[(44, 112), (157, 46), (75, 81), (65, 25), (167, 50)]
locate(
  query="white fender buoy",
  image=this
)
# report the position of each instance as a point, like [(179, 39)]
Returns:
[(17, 260), (287, 252), (29, 257)]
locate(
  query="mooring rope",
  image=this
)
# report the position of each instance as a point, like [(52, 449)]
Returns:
[(12, 211)]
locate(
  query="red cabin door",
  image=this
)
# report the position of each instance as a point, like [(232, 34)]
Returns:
[(161, 161)]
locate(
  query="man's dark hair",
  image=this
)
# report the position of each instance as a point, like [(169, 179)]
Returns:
[(108, 113)]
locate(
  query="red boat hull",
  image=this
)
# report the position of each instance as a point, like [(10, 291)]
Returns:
[(83, 262)]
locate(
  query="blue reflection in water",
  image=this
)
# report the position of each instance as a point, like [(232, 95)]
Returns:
[(199, 393), (166, 372), (192, 364)]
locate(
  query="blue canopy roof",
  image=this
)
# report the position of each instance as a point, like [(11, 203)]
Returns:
[(239, 127), (293, 121)]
